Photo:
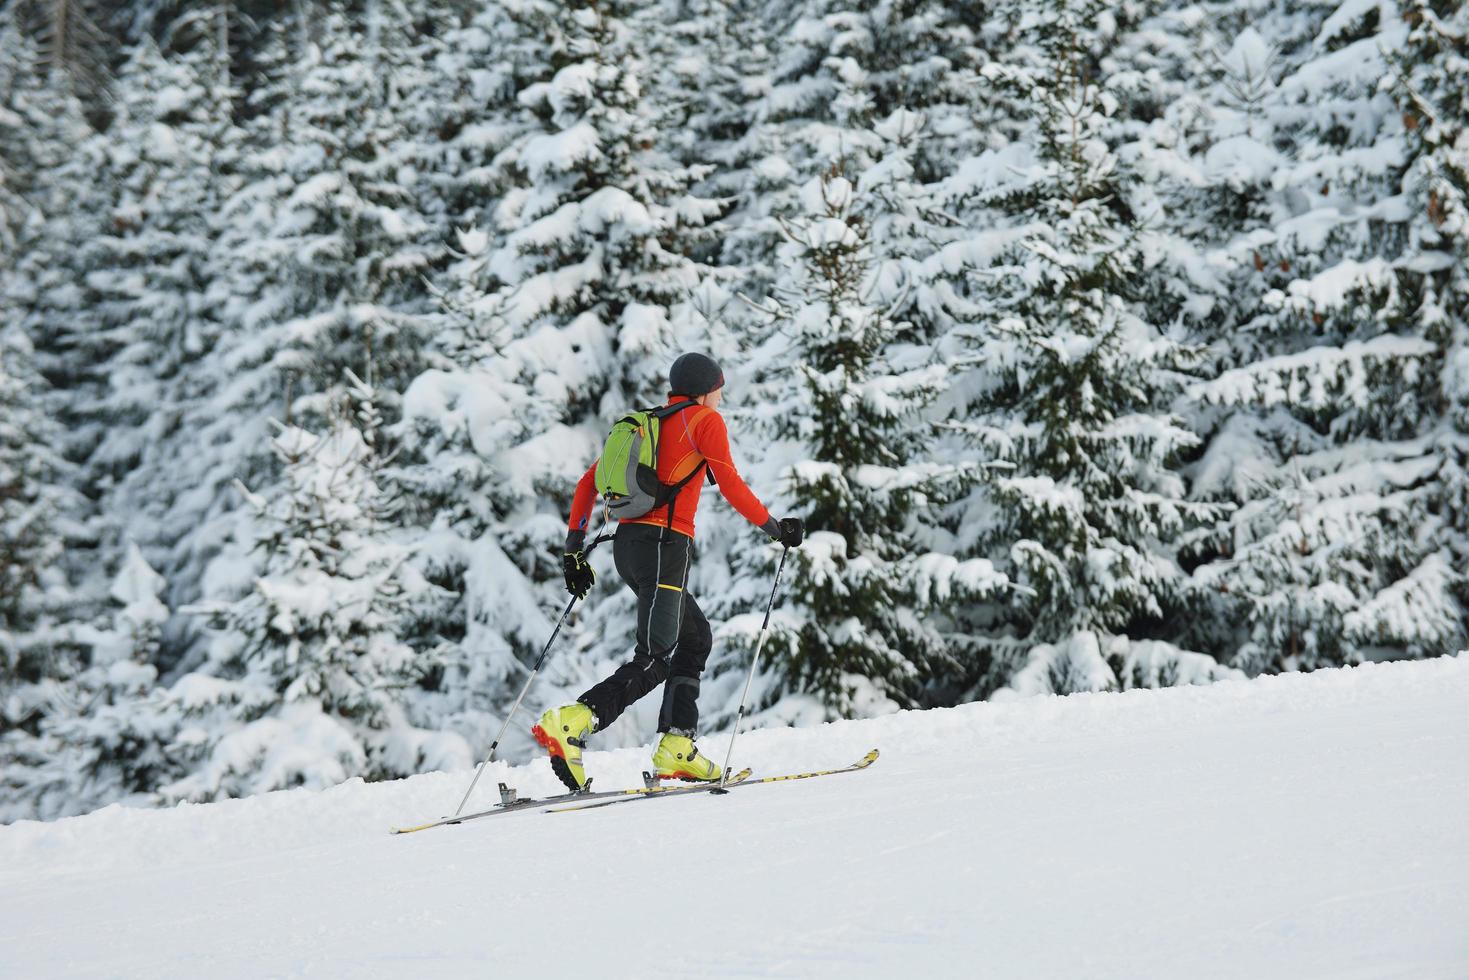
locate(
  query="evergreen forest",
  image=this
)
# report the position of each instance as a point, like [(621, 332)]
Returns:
[(1098, 345)]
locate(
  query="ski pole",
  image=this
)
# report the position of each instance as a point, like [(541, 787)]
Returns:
[(528, 681), (759, 645), (516, 706)]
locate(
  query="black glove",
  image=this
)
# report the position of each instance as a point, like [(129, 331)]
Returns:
[(789, 531), (579, 575)]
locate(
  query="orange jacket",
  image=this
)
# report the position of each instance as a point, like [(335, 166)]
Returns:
[(693, 436)]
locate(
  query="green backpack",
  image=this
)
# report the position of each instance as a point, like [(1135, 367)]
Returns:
[(627, 473)]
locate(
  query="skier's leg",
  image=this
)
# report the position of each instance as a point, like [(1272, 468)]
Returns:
[(680, 714), (677, 757), (654, 562)]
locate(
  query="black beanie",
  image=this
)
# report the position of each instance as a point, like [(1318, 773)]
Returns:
[(694, 375)]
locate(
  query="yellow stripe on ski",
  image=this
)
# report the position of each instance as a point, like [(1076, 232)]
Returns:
[(739, 779), (604, 798), (651, 791), (862, 763)]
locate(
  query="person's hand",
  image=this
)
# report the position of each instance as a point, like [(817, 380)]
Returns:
[(579, 575), (792, 532)]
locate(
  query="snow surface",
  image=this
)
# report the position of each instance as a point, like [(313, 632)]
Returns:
[(1291, 826)]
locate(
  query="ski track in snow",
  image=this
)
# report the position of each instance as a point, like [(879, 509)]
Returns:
[(1294, 826)]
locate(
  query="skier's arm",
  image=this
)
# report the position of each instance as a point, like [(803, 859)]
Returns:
[(581, 509), (711, 438)]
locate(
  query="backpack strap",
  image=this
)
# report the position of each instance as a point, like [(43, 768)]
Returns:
[(673, 490), (708, 470), (663, 413)]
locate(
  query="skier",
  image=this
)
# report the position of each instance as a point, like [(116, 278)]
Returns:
[(653, 554)]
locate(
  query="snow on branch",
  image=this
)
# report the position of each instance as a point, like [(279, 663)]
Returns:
[(1311, 378)]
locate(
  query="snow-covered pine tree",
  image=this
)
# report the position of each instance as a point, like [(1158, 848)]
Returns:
[(708, 74), (921, 252), (13, 207), (591, 255), (172, 154), (1424, 613), (16, 55), (39, 653), (844, 66), (1194, 130), (43, 539), (1433, 83), (464, 479), (308, 678), (839, 70), (1341, 550), (73, 46), (882, 92), (106, 740), (1085, 507), (698, 75), (30, 545), (63, 173), (1211, 112), (860, 626), (342, 247), (316, 268), (463, 110), (835, 91)]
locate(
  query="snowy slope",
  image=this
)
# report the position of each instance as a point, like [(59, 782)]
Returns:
[(1294, 826)]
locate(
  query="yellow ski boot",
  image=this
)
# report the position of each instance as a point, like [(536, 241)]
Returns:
[(678, 758), (563, 732)]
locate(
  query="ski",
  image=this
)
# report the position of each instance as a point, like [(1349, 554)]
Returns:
[(642, 794), (529, 803), (737, 780), (857, 766), (524, 804)]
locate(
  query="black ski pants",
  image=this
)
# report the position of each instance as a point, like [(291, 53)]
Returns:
[(673, 639)]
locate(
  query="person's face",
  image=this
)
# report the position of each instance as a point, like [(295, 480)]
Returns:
[(712, 399)]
